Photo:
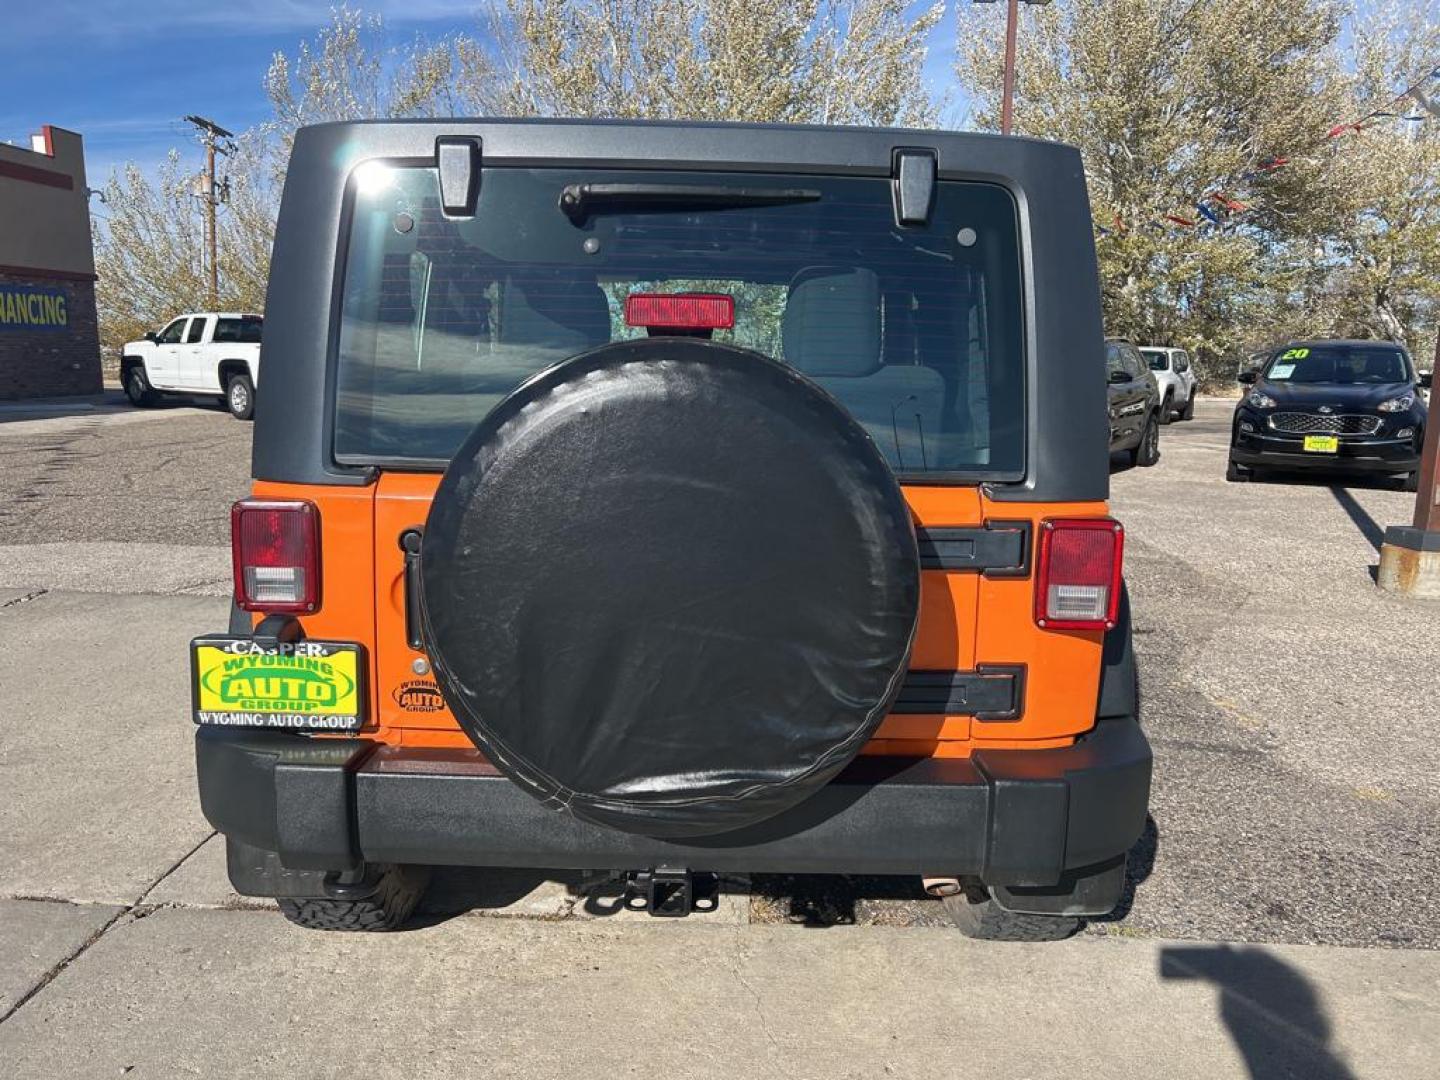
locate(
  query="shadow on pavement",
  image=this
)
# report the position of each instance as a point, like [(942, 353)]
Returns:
[(104, 404), (1367, 525), (1271, 1011)]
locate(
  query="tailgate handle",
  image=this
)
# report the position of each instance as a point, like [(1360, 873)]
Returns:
[(410, 545)]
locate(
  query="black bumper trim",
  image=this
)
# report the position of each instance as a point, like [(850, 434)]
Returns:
[(997, 548), (1015, 817), (1349, 459)]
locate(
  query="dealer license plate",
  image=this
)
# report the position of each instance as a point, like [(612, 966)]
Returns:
[(297, 686), (1321, 444)]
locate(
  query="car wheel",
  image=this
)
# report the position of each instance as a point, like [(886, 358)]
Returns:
[(1188, 413), (978, 916), (240, 397), (1167, 408), (397, 890), (137, 386), (1147, 453), (1410, 482)]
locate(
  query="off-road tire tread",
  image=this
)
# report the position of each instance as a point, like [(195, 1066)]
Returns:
[(399, 891), (1167, 409), (978, 916), (1188, 413)]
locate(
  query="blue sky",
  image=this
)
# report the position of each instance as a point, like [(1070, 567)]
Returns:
[(123, 72)]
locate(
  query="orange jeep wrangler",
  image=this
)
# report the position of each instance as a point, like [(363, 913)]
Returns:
[(671, 500)]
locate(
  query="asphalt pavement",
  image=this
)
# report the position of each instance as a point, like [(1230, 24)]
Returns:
[(1294, 810)]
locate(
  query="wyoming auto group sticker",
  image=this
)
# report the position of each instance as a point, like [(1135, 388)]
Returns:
[(419, 695), (302, 685)]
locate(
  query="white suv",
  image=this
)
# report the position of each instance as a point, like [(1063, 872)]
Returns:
[(1176, 380), (204, 353)]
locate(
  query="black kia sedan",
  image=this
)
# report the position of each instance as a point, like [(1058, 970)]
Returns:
[(1335, 406)]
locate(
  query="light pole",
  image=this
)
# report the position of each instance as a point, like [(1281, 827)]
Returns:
[(1007, 101)]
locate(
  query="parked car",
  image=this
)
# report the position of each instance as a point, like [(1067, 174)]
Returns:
[(201, 353), (1350, 407), (602, 471), (1134, 404), (1175, 379)]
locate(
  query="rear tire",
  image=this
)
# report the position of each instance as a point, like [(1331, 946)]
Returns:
[(137, 386), (396, 893), (240, 397), (1167, 409), (978, 916), (1147, 453), (1188, 413)]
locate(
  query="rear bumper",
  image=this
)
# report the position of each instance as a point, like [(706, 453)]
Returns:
[(1012, 817)]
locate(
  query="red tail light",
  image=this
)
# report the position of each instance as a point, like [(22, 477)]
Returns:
[(680, 311), (276, 549), (1077, 584)]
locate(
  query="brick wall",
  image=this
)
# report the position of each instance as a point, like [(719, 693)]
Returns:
[(46, 361)]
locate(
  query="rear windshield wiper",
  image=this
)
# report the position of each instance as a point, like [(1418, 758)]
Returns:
[(578, 201)]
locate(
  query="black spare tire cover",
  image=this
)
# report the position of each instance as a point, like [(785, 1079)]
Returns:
[(669, 586)]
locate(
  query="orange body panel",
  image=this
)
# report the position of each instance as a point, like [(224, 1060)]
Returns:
[(347, 566), (966, 620)]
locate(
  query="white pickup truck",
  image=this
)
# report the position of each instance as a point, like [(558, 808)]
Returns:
[(202, 353), (1176, 379)]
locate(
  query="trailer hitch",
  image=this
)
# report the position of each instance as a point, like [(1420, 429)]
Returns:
[(671, 892)]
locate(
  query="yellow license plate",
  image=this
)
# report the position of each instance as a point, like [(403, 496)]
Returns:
[(1321, 444), (297, 686)]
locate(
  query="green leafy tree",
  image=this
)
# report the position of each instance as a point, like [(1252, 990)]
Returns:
[(807, 61), (823, 61), (149, 244), (1178, 108)]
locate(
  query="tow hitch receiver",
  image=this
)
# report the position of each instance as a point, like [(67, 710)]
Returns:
[(670, 892)]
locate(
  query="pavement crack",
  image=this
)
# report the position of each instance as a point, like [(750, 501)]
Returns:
[(762, 1021), (136, 911), (140, 902), (16, 601), (54, 972)]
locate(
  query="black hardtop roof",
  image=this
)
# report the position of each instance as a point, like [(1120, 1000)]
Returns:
[(1059, 309), (714, 145), (623, 123)]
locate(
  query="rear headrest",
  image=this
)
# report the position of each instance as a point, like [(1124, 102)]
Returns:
[(554, 310), (831, 324)]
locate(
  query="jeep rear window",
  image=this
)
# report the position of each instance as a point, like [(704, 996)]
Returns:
[(916, 330)]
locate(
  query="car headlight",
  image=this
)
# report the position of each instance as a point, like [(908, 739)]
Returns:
[(1399, 404), (1260, 401)]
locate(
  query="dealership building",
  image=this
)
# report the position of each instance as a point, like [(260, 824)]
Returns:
[(49, 341)]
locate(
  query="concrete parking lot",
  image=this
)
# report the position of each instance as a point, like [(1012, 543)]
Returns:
[(1281, 920)]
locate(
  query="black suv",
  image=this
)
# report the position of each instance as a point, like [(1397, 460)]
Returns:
[(1134, 400), (1337, 406)]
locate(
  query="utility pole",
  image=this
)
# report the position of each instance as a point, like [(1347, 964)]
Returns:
[(1007, 100), (1007, 105), (1410, 555), (211, 194)]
